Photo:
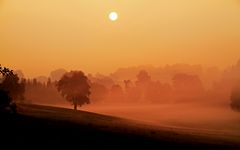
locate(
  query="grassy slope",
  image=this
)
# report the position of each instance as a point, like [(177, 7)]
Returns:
[(44, 126)]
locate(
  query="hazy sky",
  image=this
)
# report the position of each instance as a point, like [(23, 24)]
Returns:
[(38, 36)]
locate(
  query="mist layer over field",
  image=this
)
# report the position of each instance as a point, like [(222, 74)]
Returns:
[(218, 118), (199, 117)]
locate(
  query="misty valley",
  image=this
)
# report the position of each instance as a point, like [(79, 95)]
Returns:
[(185, 98), (120, 74)]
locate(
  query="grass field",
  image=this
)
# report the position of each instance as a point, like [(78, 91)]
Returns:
[(43, 126)]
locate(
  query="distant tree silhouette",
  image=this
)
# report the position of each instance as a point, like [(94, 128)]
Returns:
[(187, 87), (57, 74), (132, 94), (74, 86), (143, 78), (98, 92), (49, 82), (116, 93), (128, 84), (35, 90), (158, 92), (235, 98), (42, 79), (34, 82), (142, 84), (101, 79)]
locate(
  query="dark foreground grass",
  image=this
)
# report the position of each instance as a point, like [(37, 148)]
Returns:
[(44, 127)]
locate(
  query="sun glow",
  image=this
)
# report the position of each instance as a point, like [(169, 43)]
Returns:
[(113, 16)]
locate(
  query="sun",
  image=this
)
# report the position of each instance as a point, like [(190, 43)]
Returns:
[(113, 16)]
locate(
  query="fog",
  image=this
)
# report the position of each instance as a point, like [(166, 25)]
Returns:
[(193, 116), (183, 96), (196, 116)]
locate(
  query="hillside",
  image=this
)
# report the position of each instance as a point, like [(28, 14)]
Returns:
[(43, 126)]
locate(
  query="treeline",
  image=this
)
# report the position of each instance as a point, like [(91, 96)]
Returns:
[(104, 89), (185, 85), (144, 90)]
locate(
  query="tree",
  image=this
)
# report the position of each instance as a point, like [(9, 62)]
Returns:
[(235, 98), (5, 71), (143, 78), (74, 87), (5, 100), (13, 86), (49, 82), (142, 84), (10, 89), (131, 92)]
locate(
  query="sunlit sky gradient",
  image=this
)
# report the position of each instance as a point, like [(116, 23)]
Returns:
[(38, 36)]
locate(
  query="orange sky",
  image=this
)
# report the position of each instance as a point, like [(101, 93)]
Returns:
[(43, 35)]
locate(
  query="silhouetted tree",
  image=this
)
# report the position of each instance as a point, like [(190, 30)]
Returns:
[(74, 86), (10, 89), (5, 100), (5, 71), (14, 86), (235, 98)]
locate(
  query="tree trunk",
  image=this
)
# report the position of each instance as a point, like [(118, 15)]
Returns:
[(75, 106)]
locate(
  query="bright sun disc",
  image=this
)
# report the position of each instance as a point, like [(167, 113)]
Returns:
[(113, 16)]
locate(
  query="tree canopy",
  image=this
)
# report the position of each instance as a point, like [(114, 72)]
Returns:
[(74, 87), (11, 89)]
